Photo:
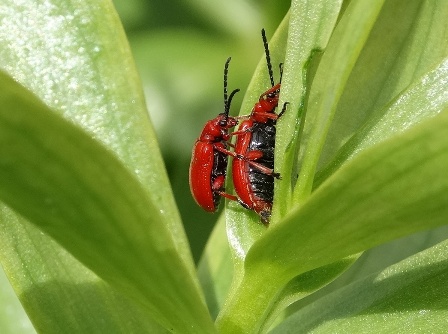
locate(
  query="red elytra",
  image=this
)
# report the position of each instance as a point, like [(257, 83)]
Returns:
[(253, 176), (208, 165)]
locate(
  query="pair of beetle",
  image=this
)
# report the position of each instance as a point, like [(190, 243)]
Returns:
[(253, 153)]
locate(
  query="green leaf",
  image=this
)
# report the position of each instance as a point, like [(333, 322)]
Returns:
[(408, 297), (215, 269), (58, 292), (405, 54), (13, 319), (311, 25), (332, 74), (377, 259), (75, 190), (423, 99), (304, 285), (74, 55), (80, 65)]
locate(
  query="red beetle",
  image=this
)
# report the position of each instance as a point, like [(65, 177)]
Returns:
[(254, 183), (209, 157)]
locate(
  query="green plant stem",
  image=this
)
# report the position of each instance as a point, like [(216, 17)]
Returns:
[(247, 310)]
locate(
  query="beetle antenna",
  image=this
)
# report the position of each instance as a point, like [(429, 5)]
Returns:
[(230, 101), (268, 56), (226, 103)]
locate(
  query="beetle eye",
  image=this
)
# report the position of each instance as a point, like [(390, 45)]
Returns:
[(222, 123)]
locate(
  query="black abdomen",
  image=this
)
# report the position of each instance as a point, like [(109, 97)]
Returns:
[(219, 168), (263, 139)]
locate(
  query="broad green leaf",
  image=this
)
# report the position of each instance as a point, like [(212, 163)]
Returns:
[(215, 269), (13, 319), (408, 297), (71, 187), (328, 85), (377, 259), (59, 293), (74, 55), (304, 285), (423, 99), (360, 206), (407, 41)]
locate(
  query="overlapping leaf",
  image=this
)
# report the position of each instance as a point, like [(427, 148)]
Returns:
[(410, 297), (75, 190), (75, 57)]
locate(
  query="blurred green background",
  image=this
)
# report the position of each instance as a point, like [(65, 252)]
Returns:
[(180, 47)]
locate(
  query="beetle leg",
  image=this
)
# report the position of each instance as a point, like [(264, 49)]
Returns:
[(218, 186), (225, 151), (254, 164), (254, 155), (241, 132), (285, 105), (234, 198), (265, 170), (251, 156)]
